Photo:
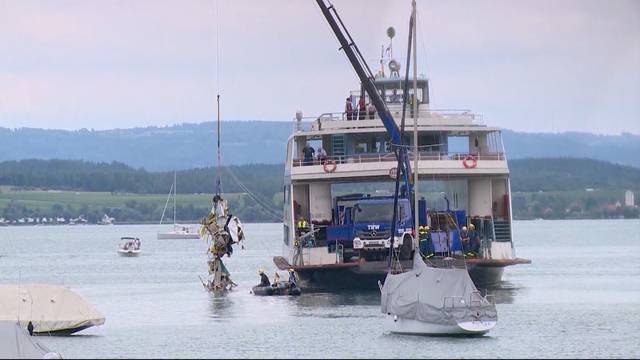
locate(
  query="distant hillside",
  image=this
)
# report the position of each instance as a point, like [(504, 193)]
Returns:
[(552, 188), (527, 175), (188, 146), (183, 146), (569, 174), (620, 149)]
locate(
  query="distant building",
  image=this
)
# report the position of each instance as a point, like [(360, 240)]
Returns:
[(629, 198)]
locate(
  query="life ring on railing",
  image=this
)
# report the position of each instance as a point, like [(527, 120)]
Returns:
[(470, 161), (329, 166)]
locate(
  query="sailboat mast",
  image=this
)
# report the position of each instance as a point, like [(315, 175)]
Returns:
[(218, 187), (175, 185), (415, 121)]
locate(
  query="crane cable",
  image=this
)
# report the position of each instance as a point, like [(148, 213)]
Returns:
[(262, 202), (259, 201)]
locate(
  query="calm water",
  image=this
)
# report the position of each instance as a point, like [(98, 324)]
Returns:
[(579, 298)]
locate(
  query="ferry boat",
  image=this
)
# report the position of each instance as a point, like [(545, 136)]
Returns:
[(337, 206)]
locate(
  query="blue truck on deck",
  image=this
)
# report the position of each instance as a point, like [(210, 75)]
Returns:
[(362, 225)]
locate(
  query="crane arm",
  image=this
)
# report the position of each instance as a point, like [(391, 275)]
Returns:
[(367, 80)]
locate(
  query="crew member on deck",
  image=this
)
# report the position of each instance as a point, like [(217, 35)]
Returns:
[(301, 226), (308, 152), (464, 238), (474, 240), (425, 244), (362, 108), (321, 155), (348, 108), (372, 111)]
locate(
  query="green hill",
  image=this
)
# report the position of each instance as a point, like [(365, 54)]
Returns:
[(542, 188), (568, 174)]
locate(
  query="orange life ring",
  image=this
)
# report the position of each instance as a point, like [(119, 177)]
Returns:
[(329, 166), (470, 161)]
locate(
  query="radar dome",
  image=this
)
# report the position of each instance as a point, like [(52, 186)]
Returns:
[(391, 32)]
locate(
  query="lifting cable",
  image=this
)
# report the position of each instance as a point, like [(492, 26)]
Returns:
[(260, 201)]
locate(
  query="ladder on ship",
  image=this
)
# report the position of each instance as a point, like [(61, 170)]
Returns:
[(502, 230), (338, 145)]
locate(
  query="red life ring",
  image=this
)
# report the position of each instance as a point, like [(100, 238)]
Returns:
[(329, 166), (470, 162)]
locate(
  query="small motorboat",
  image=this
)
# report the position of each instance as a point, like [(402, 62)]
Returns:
[(279, 288), (129, 246)]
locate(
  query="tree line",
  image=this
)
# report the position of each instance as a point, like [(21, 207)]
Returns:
[(81, 175), (551, 188)]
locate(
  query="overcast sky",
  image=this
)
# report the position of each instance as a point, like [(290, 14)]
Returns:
[(540, 65)]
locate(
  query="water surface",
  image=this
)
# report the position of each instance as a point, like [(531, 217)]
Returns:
[(579, 298)]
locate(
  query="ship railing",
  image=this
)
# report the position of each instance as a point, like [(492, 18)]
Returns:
[(475, 300), (358, 120), (384, 157)]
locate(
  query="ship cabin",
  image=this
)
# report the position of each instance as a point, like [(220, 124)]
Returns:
[(462, 166)]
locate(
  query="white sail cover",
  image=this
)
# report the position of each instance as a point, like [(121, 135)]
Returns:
[(440, 296), (15, 343), (49, 307)]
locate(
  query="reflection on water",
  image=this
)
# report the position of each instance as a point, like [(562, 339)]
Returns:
[(344, 298), (221, 306), (504, 293)]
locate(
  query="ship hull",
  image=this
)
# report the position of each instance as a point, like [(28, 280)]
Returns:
[(366, 276)]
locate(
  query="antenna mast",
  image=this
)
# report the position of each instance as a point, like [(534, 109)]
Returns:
[(218, 26), (218, 186)]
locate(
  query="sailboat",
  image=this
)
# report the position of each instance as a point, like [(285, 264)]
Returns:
[(430, 299), (179, 231)]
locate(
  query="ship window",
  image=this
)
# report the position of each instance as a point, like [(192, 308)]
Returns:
[(458, 144), (393, 95), (361, 147), (420, 93), (429, 143)]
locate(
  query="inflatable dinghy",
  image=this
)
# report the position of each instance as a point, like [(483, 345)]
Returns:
[(281, 288)]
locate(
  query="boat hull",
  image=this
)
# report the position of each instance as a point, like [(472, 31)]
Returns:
[(63, 332), (397, 325), (165, 236), (129, 253), (486, 276)]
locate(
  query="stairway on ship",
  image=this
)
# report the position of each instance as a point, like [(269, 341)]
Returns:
[(502, 230)]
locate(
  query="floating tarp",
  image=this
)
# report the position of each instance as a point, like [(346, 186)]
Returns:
[(51, 308), (15, 343), (440, 296)]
